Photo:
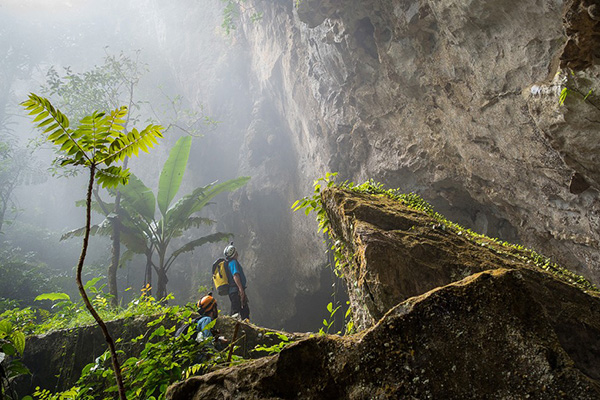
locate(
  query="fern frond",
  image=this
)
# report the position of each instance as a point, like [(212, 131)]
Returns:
[(53, 123), (126, 145), (112, 176)]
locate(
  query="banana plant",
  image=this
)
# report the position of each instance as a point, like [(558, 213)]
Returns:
[(150, 222), (97, 144), (158, 229)]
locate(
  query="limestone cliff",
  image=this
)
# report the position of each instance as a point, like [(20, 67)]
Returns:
[(456, 100), (507, 330)]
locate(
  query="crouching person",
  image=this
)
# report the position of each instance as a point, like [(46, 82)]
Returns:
[(208, 310)]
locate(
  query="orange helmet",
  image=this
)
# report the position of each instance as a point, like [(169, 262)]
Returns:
[(206, 304)]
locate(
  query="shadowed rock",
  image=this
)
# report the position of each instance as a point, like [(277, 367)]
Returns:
[(57, 358), (507, 330), (505, 333)]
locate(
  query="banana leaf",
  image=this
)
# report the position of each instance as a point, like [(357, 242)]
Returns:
[(172, 173)]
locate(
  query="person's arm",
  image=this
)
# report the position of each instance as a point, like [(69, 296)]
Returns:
[(202, 332), (238, 282)]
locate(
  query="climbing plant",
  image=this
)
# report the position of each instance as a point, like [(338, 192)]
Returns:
[(97, 144), (231, 13)]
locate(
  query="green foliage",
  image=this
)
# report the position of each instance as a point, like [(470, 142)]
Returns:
[(104, 87), (95, 144), (284, 340), (576, 86), (17, 168), (12, 345), (328, 323), (98, 142), (172, 173), (22, 277), (143, 233), (67, 314), (164, 360), (231, 13), (563, 96)]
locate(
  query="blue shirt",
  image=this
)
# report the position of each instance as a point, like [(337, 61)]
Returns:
[(200, 327), (236, 268)]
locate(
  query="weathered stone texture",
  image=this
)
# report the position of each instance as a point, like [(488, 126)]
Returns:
[(508, 330), (497, 334), (455, 100)]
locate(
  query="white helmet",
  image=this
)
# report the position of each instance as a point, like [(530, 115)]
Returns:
[(229, 250)]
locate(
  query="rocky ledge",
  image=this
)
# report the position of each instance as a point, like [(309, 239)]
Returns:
[(507, 330)]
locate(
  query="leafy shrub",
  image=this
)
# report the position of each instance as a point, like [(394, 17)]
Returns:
[(164, 360), (12, 345)]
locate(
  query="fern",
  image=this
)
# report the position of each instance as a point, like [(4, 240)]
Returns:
[(96, 143)]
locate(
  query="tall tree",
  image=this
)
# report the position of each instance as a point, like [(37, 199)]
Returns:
[(102, 87), (97, 144)]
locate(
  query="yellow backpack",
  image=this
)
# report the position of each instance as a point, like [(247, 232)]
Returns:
[(220, 276)]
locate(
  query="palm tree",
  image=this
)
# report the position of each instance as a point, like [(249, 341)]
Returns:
[(98, 144)]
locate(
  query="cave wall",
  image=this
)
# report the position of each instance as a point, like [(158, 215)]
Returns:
[(455, 100)]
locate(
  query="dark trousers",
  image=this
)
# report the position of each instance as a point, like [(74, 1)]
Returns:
[(236, 306)]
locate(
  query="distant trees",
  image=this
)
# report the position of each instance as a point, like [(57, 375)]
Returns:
[(14, 163)]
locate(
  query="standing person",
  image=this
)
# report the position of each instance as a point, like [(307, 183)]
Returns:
[(237, 289)]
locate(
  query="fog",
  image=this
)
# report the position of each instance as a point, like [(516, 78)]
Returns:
[(79, 35), (192, 77)]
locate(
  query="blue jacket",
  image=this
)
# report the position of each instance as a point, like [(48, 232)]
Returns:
[(203, 333), (236, 268)]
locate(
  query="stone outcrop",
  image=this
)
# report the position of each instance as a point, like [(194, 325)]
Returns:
[(456, 101), (57, 358), (395, 252), (510, 331)]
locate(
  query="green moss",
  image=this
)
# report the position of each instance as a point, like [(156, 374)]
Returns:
[(417, 203)]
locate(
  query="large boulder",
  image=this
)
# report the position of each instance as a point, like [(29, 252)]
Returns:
[(455, 316), (504, 333), (394, 252)]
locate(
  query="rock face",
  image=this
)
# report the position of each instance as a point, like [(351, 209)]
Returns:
[(457, 101), (56, 359), (511, 331), (395, 252)]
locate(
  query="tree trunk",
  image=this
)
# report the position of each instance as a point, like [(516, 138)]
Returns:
[(161, 285), (84, 296), (113, 288), (148, 274)]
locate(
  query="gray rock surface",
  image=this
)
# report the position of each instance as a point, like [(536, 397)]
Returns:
[(455, 100)]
